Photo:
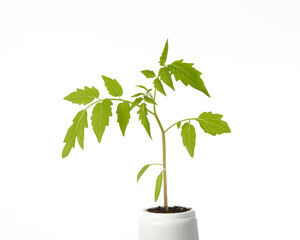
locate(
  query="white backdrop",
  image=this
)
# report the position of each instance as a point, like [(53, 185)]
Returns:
[(243, 185)]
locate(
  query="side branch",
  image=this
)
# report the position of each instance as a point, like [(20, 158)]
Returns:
[(188, 119)]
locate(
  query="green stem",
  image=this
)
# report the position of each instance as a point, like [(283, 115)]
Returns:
[(188, 119), (164, 156)]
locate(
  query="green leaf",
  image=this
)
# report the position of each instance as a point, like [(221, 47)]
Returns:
[(83, 96), (143, 117), (158, 86), (149, 100), (138, 94), (164, 54), (148, 73), (75, 131), (141, 172), (212, 123), (100, 117), (136, 102), (113, 87), (188, 134), (123, 112), (158, 185), (143, 87), (188, 75), (166, 77), (178, 125)]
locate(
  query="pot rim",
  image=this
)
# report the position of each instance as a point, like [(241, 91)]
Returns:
[(188, 214)]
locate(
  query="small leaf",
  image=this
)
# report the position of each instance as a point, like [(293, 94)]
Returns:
[(143, 87), (135, 102), (164, 54), (75, 131), (138, 94), (83, 96), (148, 73), (113, 87), (141, 172), (166, 77), (100, 117), (123, 112), (158, 185), (158, 86), (143, 117), (188, 75), (188, 134), (178, 125), (212, 123), (149, 90), (149, 100)]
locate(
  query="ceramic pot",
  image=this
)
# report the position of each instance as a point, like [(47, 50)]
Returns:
[(168, 226)]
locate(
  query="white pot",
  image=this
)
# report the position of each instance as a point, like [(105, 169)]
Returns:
[(168, 226)]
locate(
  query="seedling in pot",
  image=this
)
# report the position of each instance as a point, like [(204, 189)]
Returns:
[(143, 101)]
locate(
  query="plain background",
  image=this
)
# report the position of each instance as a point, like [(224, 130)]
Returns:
[(243, 185)]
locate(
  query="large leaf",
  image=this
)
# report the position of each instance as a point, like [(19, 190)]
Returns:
[(83, 96), (123, 112), (166, 77), (188, 134), (148, 73), (75, 131), (164, 55), (158, 86), (158, 186), (113, 87), (100, 117), (188, 75), (212, 123), (144, 119)]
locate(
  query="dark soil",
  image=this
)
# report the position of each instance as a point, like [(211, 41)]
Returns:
[(175, 209)]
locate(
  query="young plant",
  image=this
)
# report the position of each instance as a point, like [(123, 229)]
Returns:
[(144, 100)]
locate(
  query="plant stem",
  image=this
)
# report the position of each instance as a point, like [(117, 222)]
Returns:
[(164, 156), (188, 119)]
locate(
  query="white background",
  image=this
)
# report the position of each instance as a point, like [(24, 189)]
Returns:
[(243, 185)]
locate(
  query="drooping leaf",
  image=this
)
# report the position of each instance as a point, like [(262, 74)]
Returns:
[(164, 55), (144, 119), (188, 134), (143, 87), (178, 125), (188, 75), (148, 73), (149, 100), (83, 96), (212, 123), (135, 103), (158, 185), (141, 172), (113, 87), (166, 77), (75, 131), (100, 117), (158, 86), (123, 112)]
